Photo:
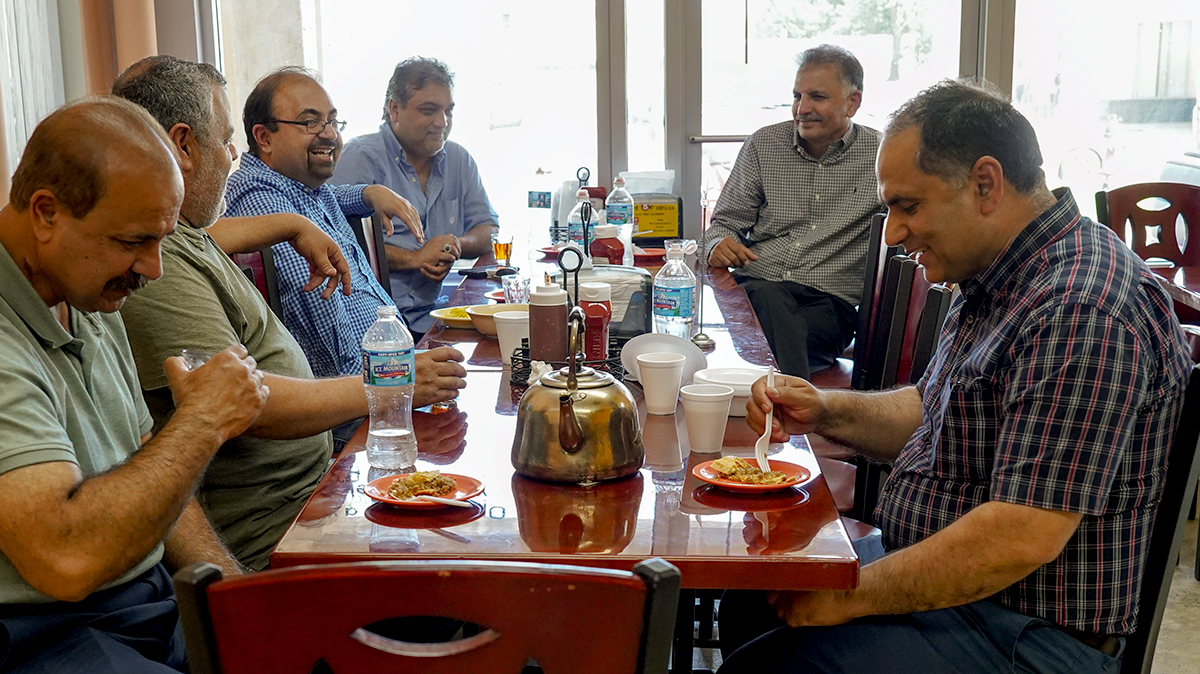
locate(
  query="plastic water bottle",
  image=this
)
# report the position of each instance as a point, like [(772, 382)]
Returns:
[(389, 371), (619, 209), (675, 297), (575, 220)]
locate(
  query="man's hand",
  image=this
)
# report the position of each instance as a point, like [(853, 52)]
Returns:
[(325, 260), (391, 205), (226, 392), (439, 376), (799, 407), (730, 253), (435, 260)]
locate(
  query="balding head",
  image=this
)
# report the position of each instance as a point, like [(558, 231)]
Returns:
[(95, 193), (72, 152)]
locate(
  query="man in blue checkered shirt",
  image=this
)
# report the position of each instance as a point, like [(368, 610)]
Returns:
[(793, 217), (1028, 462), (293, 133)]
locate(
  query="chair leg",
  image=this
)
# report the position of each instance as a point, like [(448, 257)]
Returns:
[(681, 651)]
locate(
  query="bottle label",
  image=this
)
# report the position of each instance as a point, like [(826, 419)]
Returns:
[(619, 214), (674, 302), (539, 199), (388, 368)]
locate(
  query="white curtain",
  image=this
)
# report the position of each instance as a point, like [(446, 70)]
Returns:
[(31, 81)]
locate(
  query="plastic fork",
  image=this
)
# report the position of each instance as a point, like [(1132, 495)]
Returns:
[(764, 441), (444, 501)]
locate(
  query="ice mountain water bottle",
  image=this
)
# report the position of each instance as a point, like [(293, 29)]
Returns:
[(675, 297), (618, 208), (389, 373)]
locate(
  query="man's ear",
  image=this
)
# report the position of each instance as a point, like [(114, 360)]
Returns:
[(393, 109), (187, 147), (44, 212), (854, 100), (262, 137), (987, 181)]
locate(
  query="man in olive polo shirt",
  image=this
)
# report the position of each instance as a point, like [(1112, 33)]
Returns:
[(88, 502)]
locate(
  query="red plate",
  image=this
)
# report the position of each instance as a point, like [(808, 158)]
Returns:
[(649, 254), (408, 518), (715, 497), (798, 475), (548, 251), (465, 488), (497, 295)]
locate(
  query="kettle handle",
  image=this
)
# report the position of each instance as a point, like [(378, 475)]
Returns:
[(575, 346)]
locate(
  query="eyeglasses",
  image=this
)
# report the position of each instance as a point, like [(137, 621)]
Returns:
[(314, 126)]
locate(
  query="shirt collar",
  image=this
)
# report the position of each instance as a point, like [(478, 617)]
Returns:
[(396, 150), (834, 149), (19, 293), (1038, 234), (256, 165)]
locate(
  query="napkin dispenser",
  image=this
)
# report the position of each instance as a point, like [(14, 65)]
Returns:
[(632, 297)]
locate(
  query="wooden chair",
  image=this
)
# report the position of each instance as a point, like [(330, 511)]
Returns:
[(1154, 233), (1166, 535), (259, 267), (369, 232), (570, 619)]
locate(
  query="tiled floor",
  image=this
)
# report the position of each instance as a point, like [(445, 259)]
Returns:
[(1178, 641)]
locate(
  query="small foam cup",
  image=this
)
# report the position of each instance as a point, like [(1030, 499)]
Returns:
[(511, 328), (706, 407), (660, 375)]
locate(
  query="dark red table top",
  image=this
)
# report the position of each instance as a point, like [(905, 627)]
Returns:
[(792, 540)]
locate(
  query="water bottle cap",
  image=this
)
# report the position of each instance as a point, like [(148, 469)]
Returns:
[(582, 195), (547, 296), (385, 311), (595, 292), (675, 254), (618, 182), (605, 231)]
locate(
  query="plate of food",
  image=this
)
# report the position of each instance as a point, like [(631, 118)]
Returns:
[(549, 251), (648, 255), (496, 295), (455, 317), (734, 474), (400, 490)]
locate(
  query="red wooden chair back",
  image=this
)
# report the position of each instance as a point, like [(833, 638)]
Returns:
[(1154, 232), (567, 618), (259, 267)]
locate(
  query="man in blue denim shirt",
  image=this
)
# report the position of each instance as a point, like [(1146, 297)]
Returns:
[(410, 155)]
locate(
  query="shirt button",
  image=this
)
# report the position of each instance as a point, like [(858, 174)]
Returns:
[(813, 227), (817, 197)]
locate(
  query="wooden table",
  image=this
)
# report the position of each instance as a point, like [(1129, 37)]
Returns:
[(716, 539), (1181, 283)]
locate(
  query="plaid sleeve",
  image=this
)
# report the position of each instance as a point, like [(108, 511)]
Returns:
[(741, 198), (350, 200), (1069, 412)]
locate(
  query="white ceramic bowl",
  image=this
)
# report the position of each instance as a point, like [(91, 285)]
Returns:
[(482, 315), (740, 379)]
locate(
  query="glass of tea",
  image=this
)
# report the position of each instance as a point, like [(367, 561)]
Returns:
[(502, 247)]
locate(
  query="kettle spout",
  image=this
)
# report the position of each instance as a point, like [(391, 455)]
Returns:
[(570, 434)]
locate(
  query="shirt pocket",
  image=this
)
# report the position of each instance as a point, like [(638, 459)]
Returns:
[(445, 217), (970, 423)]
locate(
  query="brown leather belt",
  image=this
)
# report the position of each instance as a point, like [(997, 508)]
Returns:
[(1105, 643)]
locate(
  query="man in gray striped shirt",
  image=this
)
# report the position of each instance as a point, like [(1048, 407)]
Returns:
[(793, 216)]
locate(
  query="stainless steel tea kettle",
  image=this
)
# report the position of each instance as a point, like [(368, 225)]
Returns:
[(577, 425)]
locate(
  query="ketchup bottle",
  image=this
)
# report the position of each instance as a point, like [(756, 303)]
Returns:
[(596, 301)]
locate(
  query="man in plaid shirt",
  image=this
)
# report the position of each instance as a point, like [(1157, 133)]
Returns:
[(1028, 462), (794, 214)]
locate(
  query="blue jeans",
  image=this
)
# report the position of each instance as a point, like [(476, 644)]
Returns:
[(128, 629), (978, 637)]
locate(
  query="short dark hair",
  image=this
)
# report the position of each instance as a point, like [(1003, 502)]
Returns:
[(174, 91), (963, 120), (831, 54), (413, 74), (260, 103), (69, 151)]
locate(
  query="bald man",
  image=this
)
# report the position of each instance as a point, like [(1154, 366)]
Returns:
[(88, 501)]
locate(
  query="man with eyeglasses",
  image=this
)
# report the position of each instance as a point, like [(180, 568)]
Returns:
[(411, 154), (294, 142)]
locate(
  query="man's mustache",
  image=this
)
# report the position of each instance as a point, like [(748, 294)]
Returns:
[(131, 282)]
